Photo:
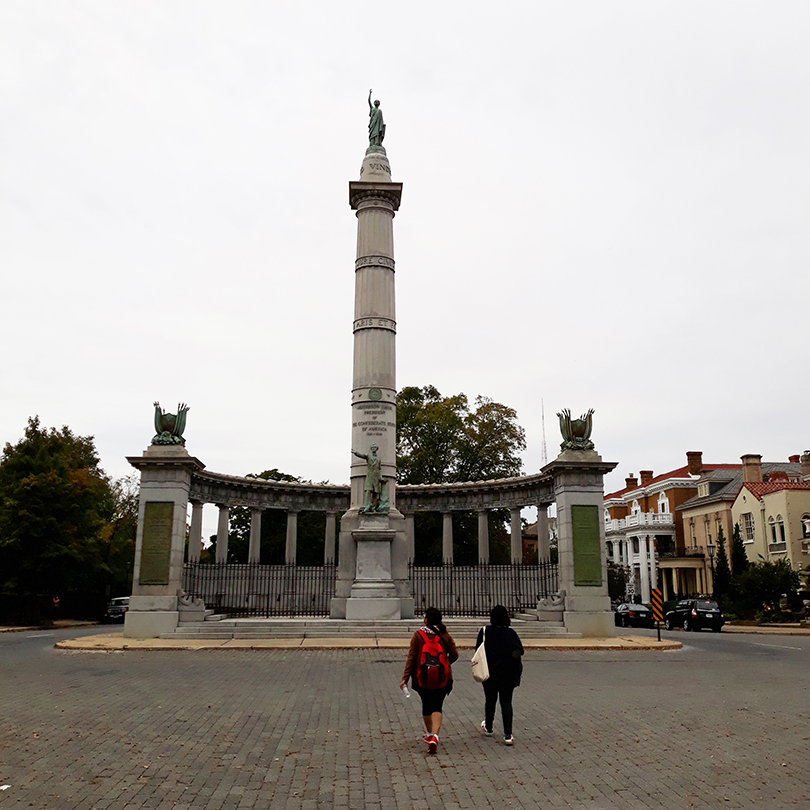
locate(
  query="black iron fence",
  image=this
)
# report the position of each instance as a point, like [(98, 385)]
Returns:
[(473, 590), (261, 590)]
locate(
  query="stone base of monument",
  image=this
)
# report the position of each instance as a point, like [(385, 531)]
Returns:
[(589, 615), (372, 582), (148, 616)]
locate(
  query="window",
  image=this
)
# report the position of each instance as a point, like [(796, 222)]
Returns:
[(635, 508), (806, 527), (635, 545), (708, 534), (663, 504), (692, 531), (772, 524), (780, 523), (748, 527), (703, 489)]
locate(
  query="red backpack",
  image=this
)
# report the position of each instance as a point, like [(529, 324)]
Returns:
[(433, 671)]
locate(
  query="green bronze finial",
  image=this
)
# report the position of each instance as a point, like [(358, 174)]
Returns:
[(576, 433), (376, 126), (168, 426)]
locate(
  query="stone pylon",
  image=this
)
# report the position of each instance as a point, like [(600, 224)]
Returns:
[(372, 581)]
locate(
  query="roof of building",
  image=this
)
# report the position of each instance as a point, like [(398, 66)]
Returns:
[(730, 491), (681, 472), (760, 488)]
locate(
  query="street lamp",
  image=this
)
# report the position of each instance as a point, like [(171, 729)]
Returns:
[(710, 548)]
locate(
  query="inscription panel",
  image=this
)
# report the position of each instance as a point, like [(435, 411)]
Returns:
[(587, 551), (374, 418), (375, 323), (157, 542), (378, 261)]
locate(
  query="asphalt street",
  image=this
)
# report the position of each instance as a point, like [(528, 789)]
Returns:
[(720, 723)]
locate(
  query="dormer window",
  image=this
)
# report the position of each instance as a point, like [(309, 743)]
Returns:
[(703, 489), (635, 508), (663, 504)]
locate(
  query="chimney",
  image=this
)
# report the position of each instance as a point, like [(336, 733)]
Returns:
[(646, 477), (806, 462), (631, 482), (694, 460), (752, 468), (793, 459)]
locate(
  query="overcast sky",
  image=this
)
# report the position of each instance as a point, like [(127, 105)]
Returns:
[(605, 205)]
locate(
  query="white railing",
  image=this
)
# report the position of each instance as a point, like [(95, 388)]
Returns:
[(640, 519)]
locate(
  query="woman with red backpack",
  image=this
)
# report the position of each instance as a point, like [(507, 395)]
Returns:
[(430, 655)]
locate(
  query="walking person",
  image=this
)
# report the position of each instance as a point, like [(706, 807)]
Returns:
[(503, 650), (430, 655)]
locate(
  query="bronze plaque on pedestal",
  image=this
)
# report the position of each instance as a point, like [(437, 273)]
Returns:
[(587, 551), (157, 543)]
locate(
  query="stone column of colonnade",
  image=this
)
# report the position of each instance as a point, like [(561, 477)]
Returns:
[(447, 537), (372, 580), (543, 543), (195, 532), (222, 532), (483, 536), (516, 533)]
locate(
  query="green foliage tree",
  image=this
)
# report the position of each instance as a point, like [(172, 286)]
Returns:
[(617, 581), (442, 440), (762, 587), (65, 527), (722, 572), (739, 559)]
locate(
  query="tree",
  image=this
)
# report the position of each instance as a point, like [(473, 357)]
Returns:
[(441, 440), (65, 528), (722, 572), (617, 581), (762, 586), (739, 559)]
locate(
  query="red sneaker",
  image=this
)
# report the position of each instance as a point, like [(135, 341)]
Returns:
[(433, 744)]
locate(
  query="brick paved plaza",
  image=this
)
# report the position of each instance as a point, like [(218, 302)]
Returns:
[(721, 723)]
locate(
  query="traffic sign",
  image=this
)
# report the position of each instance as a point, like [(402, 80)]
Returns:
[(657, 604)]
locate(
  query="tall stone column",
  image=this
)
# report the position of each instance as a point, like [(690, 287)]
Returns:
[(291, 550), (222, 533), (483, 536), (166, 473), (447, 537), (255, 544), (195, 532), (329, 539), (579, 493), (516, 536), (653, 566), (372, 580), (543, 547)]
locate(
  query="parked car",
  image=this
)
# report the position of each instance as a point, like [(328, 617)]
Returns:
[(116, 609), (630, 615), (695, 614)]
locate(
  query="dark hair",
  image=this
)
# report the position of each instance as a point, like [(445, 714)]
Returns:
[(499, 616), (433, 619)]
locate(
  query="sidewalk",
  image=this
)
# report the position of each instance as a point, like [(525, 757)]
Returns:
[(59, 624), (110, 642)]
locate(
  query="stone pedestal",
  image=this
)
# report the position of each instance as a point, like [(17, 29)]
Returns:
[(160, 540), (579, 493)]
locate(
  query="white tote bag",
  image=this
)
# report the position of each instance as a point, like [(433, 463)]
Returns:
[(480, 667)]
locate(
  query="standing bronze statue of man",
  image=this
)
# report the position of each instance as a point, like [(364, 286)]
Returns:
[(376, 125), (374, 500)]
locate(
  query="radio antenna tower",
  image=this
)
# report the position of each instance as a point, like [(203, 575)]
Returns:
[(544, 451)]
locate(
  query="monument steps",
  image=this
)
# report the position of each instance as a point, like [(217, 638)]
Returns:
[(338, 628)]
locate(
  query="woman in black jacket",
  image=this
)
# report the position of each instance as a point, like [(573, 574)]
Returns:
[(503, 649)]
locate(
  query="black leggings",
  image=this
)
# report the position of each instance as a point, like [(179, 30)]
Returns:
[(493, 690), (432, 699)]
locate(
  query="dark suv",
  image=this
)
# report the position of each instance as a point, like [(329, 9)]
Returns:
[(695, 614)]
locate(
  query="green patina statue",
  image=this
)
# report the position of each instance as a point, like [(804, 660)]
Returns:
[(576, 433), (375, 497), (376, 126), (168, 426)]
